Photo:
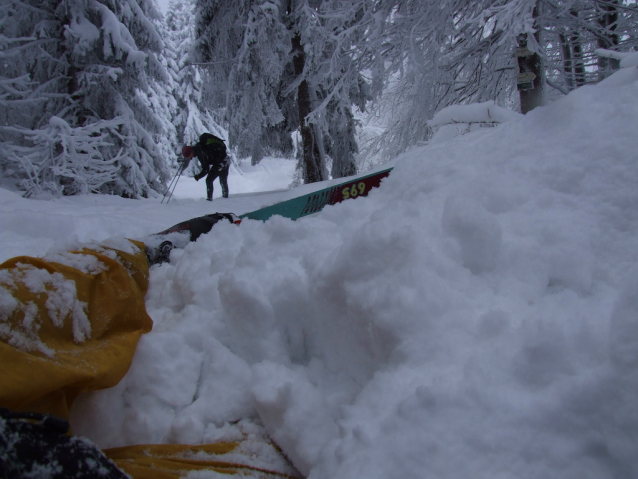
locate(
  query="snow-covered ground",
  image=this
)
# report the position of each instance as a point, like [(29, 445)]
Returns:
[(32, 227), (475, 317)]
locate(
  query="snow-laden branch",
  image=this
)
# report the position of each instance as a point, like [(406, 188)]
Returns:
[(19, 50), (627, 59), (65, 159), (513, 18), (117, 38)]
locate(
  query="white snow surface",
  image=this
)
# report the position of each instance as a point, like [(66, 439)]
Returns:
[(474, 317), (486, 112)]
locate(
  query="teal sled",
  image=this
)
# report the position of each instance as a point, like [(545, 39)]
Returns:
[(314, 202)]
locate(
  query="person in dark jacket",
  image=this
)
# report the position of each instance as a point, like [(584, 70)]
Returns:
[(212, 156)]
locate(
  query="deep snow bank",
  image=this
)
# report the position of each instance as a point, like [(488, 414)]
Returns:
[(475, 317)]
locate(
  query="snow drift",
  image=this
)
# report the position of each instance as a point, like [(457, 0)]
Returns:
[(475, 317)]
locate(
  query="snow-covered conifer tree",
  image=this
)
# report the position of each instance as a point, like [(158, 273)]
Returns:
[(194, 112), (328, 58), (573, 31), (254, 83), (76, 78), (238, 44), (161, 99), (310, 61), (291, 64)]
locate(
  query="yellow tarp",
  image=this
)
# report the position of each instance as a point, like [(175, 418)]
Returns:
[(172, 461), (69, 331), (71, 325)]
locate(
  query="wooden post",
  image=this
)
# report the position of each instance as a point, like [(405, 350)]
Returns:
[(529, 80)]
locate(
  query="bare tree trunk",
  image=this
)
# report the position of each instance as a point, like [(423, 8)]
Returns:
[(344, 144), (577, 55), (312, 164), (531, 98), (579, 67), (608, 21), (530, 64), (257, 153), (568, 70)]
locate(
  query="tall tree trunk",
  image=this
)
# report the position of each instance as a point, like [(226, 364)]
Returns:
[(530, 63), (577, 55), (608, 21), (312, 164), (568, 70), (344, 144), (530, 89), (257, 153)]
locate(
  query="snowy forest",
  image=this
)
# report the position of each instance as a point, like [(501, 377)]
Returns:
[(98, 96)]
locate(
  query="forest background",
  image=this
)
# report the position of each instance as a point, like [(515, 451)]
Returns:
[(97, 96)]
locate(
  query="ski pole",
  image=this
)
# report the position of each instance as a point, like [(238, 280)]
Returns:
[(168, 188), (173, 183), (235, 164), (172, 179), (174, 186), (237, 169)]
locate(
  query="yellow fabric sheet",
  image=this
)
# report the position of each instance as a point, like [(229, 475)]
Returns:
[(172, 461), (67, 331)]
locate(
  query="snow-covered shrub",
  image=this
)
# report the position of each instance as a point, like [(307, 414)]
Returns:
[(457, 120), (65, 160)]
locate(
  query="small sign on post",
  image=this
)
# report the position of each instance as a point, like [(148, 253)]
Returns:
[(523, 52), (525, 81)]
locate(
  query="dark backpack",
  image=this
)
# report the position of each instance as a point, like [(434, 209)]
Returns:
[(214, 147)]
